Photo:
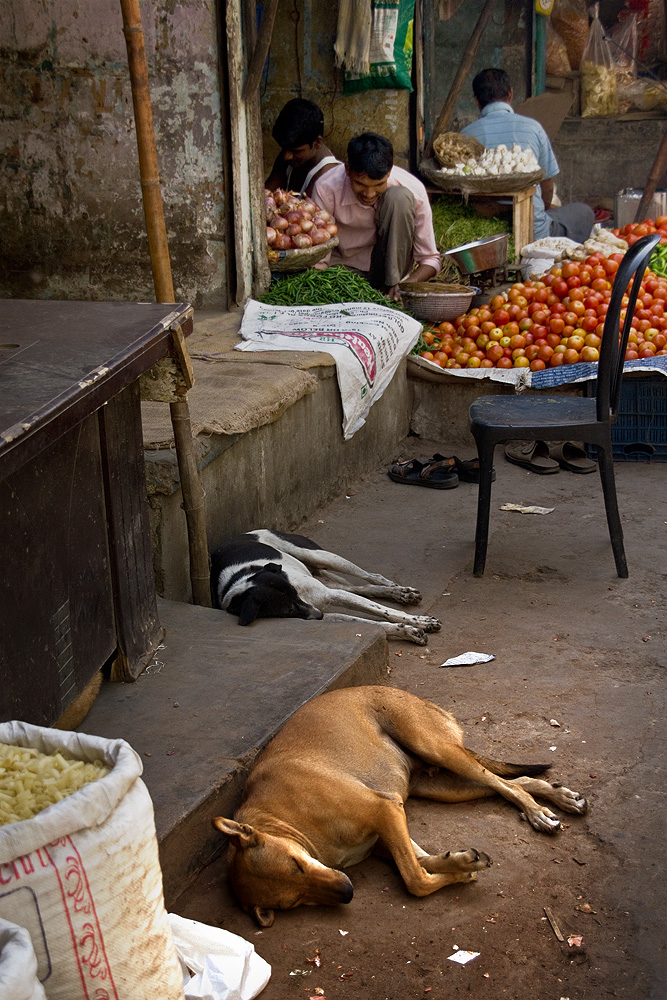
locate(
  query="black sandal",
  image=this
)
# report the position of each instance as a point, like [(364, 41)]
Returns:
[(438, 475)]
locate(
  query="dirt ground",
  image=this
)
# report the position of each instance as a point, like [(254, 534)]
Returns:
[(578, 681)]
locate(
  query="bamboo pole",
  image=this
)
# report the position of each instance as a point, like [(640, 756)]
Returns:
[(260, 50), (461, 74), (191, 488), (654, 176)]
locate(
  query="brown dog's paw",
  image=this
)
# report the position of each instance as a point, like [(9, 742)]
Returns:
[(569, 801), (467, 861)]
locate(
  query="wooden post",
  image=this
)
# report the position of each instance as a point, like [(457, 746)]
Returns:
[(191, 488), (654, 176), (461, 74), (260, 50)]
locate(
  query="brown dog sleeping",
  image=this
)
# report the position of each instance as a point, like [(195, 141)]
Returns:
[(331, 787)]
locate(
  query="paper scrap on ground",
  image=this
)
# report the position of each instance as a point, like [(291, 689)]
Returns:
[(519, 507), (463, 957), (467, 659), (367, 341)]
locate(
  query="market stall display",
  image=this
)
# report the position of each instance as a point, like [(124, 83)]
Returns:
[(298, 232), (556, 320), (539, 256), (496, 171)]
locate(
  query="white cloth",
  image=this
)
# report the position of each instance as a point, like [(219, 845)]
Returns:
[(352, 47)]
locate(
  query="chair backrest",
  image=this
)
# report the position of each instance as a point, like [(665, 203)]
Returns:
[(612, 350)]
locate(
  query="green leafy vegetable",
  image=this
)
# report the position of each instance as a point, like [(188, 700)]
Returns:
[(317, 288), (456, 223)]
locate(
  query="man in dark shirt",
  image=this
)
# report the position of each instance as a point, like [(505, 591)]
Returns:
[(304, 157)]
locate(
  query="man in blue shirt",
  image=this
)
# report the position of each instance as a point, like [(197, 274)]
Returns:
[(498, 124)]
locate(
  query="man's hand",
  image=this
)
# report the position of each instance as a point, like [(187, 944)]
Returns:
[(394, 293), (547, 190)]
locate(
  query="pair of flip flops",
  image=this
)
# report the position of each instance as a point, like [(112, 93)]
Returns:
[(438, 473), (547, 458)]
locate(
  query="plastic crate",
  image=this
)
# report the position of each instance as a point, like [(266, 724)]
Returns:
[(640, 433)]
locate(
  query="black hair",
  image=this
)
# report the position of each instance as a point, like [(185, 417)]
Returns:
[(299, 123), (491, 85), (370, 154)]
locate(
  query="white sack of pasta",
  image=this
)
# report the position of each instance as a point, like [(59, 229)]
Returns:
[(18, 965), (83, 878), (367, 342)]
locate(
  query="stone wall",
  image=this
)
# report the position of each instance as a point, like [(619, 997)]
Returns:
[(71, 217), (301, 64)]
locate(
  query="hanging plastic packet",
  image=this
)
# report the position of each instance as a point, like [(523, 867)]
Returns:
[(623, 47), (599, 95), (570, 20), (558, 63)]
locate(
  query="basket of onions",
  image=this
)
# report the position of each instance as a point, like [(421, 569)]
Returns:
[(298, 232)]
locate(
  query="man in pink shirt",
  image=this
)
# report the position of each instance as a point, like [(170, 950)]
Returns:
[(385, 225)]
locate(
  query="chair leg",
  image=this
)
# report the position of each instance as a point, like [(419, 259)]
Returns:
[(485, 454), (606, 463)]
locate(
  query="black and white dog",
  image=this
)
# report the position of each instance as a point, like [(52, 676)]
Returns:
[(269, 574)]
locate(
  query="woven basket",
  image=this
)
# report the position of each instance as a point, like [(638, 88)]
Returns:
[(467, 185), (433, 302), (300, 260), (452, 148)]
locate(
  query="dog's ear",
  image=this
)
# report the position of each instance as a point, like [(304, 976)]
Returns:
[(263, 917), (249, 610), (240, 834)]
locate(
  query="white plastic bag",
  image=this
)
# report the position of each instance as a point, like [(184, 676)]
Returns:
[(367, 341), (225, 966), (83, 878), (18, 965)]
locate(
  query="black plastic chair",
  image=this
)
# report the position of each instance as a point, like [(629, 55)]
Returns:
[(494, 419)]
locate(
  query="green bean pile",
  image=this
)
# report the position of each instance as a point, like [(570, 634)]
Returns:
[(658, 262), (321, 288)]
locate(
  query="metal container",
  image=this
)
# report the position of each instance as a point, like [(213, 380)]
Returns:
[(481, 255), (627, 201), (434, 302)]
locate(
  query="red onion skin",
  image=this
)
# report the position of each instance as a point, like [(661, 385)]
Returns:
[(331, 228), (279, 223), (319, 236), (271, 234), (301, 241)]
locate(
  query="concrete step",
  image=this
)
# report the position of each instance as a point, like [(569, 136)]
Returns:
[(214, 695)]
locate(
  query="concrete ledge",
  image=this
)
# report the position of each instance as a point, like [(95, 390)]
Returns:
[(275, 472), (213, 697)]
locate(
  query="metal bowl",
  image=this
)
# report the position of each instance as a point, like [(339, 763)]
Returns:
[(481, 255), (434, 302)]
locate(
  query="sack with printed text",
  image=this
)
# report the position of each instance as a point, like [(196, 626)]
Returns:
[(82, 875), (391, 49)]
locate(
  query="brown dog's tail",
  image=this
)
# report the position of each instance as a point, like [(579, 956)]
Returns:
[(505, 770)]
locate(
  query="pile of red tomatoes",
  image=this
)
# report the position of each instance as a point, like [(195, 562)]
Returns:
[(635, 230), (558, 320)]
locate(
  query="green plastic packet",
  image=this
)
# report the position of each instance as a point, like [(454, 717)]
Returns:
[(391, 49)]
